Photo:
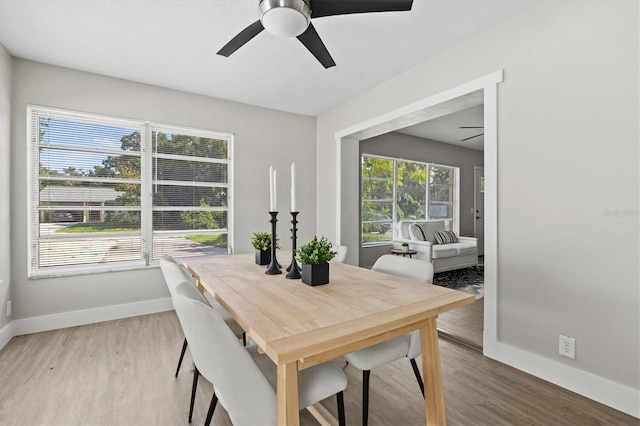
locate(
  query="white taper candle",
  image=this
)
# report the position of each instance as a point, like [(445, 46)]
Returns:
[(293, 187), (275, 191), (271, 189)]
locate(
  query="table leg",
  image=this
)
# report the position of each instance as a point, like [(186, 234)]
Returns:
[(432, 372), (288, 413), (200, 286)]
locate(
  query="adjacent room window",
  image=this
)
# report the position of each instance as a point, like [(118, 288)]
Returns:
[(442, 195), (412, 190), (111, 194), (395, 189), (377, 195)]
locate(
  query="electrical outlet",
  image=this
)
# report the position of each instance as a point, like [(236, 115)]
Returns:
[(8, 308), (567, 347)]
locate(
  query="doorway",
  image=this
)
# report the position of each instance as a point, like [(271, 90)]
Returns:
[(347, 188)]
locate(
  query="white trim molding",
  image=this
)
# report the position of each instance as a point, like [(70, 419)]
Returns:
[(6, 334), (589, 385), (483, 90), (491, 213), (408, 112), (83, 317)]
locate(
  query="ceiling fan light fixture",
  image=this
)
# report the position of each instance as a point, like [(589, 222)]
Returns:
[(285, 18)]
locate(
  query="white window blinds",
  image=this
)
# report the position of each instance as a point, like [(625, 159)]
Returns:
[(190, 192), (108, 193)]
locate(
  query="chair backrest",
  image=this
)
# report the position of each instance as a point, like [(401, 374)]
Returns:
[(238, 382), (415, 269), (342, 253), (190, 293), (173, 273)]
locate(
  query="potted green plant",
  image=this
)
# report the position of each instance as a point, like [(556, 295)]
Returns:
[(404, 246), (261, 241), (314, 257)]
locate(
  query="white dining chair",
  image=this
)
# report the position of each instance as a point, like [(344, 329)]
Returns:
[(173, 275), (341, 253), (407, 345), (245, 381)]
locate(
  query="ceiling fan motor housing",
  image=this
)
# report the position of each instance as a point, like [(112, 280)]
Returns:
[(285, 18)]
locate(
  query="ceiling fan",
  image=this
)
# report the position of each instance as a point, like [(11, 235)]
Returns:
[(292, 18), (471, 127)]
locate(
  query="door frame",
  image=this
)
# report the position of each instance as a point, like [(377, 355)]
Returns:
[(347, 153), (475, 207)]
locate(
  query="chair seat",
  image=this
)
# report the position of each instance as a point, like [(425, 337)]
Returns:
[(380, 354), (314, 384)]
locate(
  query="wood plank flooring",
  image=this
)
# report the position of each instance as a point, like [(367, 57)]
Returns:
[(464, 324), (121, 373)]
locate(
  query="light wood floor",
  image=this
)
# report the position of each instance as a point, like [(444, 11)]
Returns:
[(121, 373)]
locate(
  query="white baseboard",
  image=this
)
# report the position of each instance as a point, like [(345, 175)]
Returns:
[(6, 334), (604, 391), (89, 316)]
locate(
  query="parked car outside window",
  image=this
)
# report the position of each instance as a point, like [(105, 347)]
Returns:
[(63, 217)]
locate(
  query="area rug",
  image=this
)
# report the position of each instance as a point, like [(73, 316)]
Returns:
[(470, 280)]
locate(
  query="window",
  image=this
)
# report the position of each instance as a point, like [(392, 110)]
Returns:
[(442, 195), (377, 194), (394, 189), (412, 190), (109, 193)]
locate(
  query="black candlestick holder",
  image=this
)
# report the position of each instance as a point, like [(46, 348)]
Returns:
[(274, 266), (294, 269)]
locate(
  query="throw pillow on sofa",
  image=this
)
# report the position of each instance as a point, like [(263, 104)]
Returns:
[(416, 233), (445, 237)]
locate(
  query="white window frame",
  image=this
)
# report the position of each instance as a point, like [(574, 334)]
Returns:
[(146, 194)]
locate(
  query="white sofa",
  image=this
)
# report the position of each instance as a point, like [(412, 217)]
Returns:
[(444, 257)]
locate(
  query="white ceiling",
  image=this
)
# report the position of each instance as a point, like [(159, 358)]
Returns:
[(446, 128), (173, 44)]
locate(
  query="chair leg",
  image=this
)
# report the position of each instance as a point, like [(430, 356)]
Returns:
[(340, 397), (418, 376), (196, 374), (184, 349), (212, 408), (365, 397)]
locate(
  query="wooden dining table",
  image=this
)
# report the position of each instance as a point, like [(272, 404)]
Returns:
[(299, 326)]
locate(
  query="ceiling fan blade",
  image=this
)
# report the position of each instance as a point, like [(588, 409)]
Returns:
[(471, 127), (466, 139), (321, 8), (243, 37), (314, 44)]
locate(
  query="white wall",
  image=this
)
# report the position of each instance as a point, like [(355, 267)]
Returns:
[(568, 181), (262, 137), (5, 168)]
